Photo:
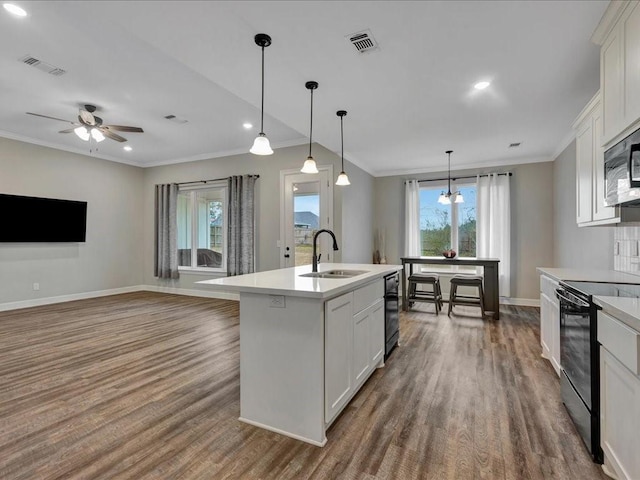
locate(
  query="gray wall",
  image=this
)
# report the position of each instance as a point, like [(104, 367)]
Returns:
[(268, 204), (531, 220), (357, 216), (575, 247), (112, 255)]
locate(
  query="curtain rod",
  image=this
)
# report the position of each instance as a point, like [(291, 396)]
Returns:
[(453, 179), (212, 180)]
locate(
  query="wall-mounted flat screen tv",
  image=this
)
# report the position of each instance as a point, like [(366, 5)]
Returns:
[(34, 219)]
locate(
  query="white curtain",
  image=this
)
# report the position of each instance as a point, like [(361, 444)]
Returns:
[(412, 219), (493, 229)]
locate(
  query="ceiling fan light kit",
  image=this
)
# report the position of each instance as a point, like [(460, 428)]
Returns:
[(310, 164), (261, 144), (343, 179), (445, 198)]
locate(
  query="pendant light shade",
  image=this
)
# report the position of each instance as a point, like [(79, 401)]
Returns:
[(310, 164), (445, 198), (82, 133), (342, 180), (261, 144)]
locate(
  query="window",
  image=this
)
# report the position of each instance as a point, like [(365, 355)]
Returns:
[(202, 221), (448, 226)]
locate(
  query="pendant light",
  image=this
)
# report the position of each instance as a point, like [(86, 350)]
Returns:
[(445, 198), (261, 144), (342, 178), (310, 164)]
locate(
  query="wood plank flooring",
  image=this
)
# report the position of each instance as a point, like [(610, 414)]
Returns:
[(146, 386)]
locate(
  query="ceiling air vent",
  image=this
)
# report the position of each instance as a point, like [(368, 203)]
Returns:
[(42, 66), (363, 41), (514, 145)]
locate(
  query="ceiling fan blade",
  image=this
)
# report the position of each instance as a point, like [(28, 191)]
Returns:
[(123, 128), (68, 130), (112, 136), (51, 118), (87, 117)]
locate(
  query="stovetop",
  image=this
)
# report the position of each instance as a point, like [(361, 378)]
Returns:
[(605, 289)]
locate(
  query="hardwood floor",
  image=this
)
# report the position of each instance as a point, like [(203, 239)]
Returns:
[(146, 386)]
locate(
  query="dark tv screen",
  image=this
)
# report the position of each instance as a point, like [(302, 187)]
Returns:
[(34, 219)]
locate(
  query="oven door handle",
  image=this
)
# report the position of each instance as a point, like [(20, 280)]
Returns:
[(571, 301)]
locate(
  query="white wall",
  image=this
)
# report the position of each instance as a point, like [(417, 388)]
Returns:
[(575, 247), (112, 255), (531, 220)]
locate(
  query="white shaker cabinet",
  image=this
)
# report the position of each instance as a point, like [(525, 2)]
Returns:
[(619, 397), (550, 322), (338, 345), (591, 209), (619, 36)]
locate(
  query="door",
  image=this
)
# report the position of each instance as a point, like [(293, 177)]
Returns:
[(306, 207)]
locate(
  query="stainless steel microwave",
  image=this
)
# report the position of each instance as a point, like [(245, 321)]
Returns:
[(622, 172)]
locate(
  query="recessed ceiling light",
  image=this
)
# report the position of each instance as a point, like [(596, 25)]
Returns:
[(481, 85), (127, 148), (247, 125), (16, 10)]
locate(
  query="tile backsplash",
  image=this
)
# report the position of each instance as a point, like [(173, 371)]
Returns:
[(626, 249)]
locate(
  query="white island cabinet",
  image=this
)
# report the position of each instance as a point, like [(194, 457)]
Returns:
[(307, 344)]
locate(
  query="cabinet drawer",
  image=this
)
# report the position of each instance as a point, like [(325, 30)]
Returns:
[(367, 295), (620, 340), (548, 287)]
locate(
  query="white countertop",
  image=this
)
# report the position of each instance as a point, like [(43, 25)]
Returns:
[(287, 281), (589, 275), (625, 309)]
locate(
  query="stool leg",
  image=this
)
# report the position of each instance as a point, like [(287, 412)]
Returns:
[(436, 300), (481, 293), (440, 300), (452, 296)]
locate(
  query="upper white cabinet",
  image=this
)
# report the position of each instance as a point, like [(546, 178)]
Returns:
[(619, 36), (590, 182)]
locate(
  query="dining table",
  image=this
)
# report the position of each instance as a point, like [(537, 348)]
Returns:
[(490, 275)]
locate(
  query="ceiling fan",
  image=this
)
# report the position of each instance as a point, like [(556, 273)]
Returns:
[(90, 126)]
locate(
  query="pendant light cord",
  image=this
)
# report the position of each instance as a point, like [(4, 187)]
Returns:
[(311, 123), (449, 176), (342, 143), (262, 102)]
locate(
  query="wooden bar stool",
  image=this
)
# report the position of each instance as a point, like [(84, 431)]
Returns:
[(434, 295), (466, 281)]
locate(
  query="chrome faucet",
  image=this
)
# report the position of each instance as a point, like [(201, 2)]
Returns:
[(315, 246)]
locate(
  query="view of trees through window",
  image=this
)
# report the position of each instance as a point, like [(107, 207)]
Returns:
[(437, 231)]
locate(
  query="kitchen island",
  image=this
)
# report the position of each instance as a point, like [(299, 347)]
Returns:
[(307, 343)]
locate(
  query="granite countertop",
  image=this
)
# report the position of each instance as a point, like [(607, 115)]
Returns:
[(287, 281)]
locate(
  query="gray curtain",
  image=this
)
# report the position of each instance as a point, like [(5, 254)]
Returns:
[(241, 231), (166, 231)]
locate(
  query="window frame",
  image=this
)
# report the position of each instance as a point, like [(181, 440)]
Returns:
[(193, 191), (453, 210)]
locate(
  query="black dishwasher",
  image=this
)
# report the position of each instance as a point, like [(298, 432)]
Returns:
[(391, 313)]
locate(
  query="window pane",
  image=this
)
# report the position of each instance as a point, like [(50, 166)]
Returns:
[(184, 229), (467, 222), (306, 211), (210, 219), (435, 223)]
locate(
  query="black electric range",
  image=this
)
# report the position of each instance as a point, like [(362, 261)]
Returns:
[(580, 354)]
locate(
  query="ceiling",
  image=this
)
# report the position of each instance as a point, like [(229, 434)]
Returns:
[(407, 102)]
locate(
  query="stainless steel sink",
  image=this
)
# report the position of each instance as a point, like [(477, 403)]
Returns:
[(335, 274)]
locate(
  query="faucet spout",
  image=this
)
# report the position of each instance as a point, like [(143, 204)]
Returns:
[(315, 246)]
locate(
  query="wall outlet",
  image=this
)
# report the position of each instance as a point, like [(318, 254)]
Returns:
[(276, 301), (36, 287)]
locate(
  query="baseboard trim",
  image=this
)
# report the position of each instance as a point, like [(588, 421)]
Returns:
[(38, 302), (193, 292), (521, 302), (282, 432)]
